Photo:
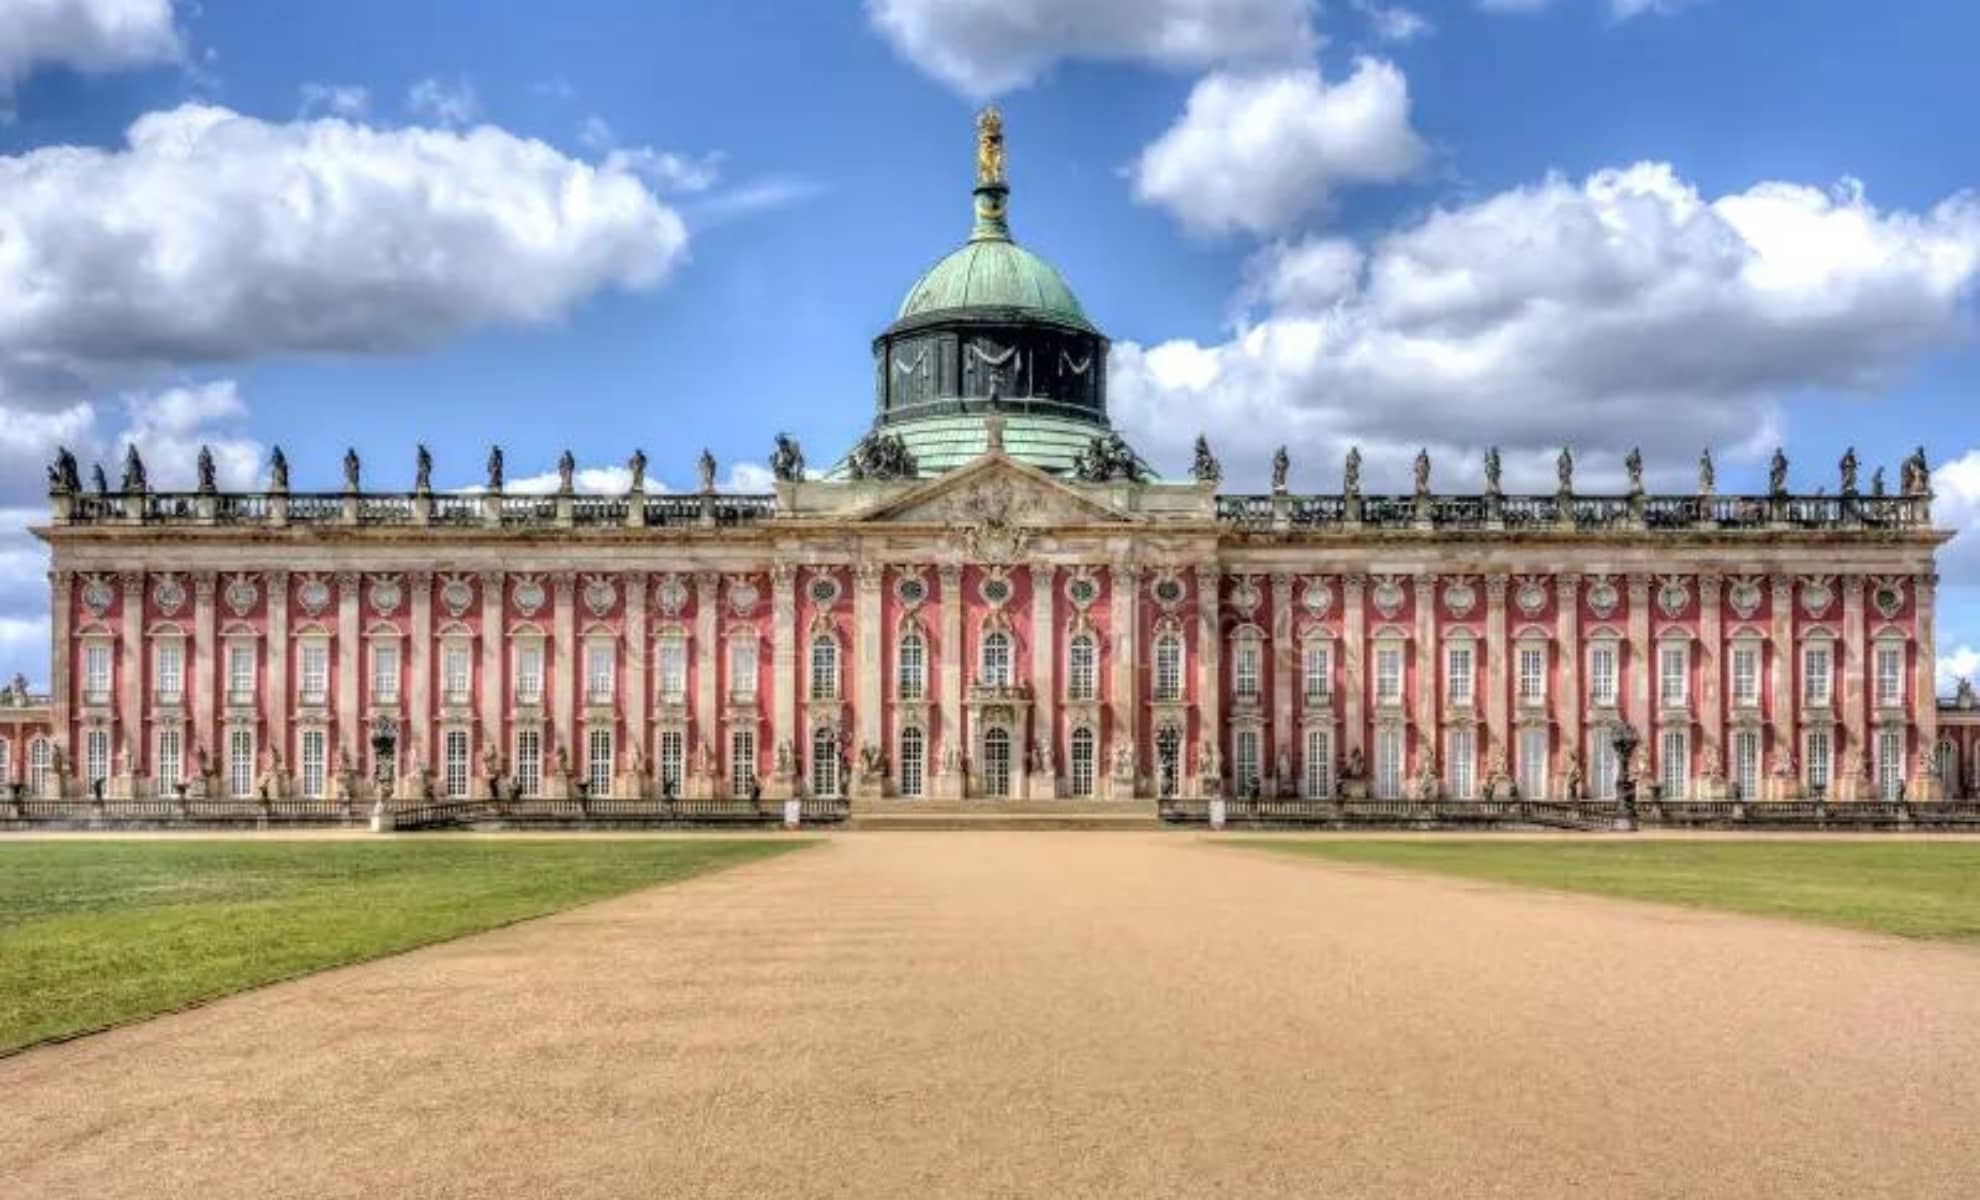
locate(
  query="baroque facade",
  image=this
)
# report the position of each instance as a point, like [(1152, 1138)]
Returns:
[(988, 598)]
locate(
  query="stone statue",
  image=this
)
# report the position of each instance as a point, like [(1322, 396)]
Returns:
[(1209, 762), (203, 468), (1429, 786), (491, 768), (133, 471), (1877, 482), (1357, 766), (707, 467), (1123, 759), (1423, 472), (1707, 477), (990, 148), (1281, 467), (422, 470), (62, 478), (423, 784), (787, 459), (1046, 762), (1848, 468), (881, 457), (562, 768), (1284, 767), (1777, 474), (1572, 780), (1031, 758), (786, 760), (872, 761), (269, 785), (494, 468), (1203, 466), (347, 776), (1564, 470), (1492, 471), (566, 472), (951, 759), (1633, 463), (351, 469), (642, 773), (1963, 696), (1709, 766), (98, 480), (278, 470), (1106, 459), (1915, 478), (636, 465), (1351, 475)]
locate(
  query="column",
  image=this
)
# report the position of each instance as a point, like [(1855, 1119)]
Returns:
[(416, 748), (1127, 638), (954, 744), (707, 603), (127, 750), (276, 694), (1209, 667), (1780, 716), (494, 637), (783, 681), (1498, 661), (1428, 728), (61, 673), (350, 674), (564, 660), (1354, 651), (1567, 697), (1285, 670), (1855, 684), (869, 654), (1641, 669), (202, 683), (1924, 690), (1711, 667), (1044, 677), (637, 692)]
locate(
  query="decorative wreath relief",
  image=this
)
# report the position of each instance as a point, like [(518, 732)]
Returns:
[(995, 590), (1168, 591), (456, 594), (169, 594), (1245, 597), (1744, 596), (242, 594), (743, 596), (670, 595), (1889, 598), (98, 595), (1082, 590), (1530, 597), (1460, 597), (1603, 597), (529, 595), (1816, 596), (911, 590), (600, 594), (824, 590), (313, 594), (386, 594), (1387, 595), (1318, 597)]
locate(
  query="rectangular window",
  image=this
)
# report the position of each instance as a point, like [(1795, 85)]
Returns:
[(742, 759), (1532, 674), (454, 672), (996, 660), (454, 762), (1081, 776), (598, 672), (671, 663), (1673, 663), (1890, 675), (96, 672), (1319, 764), (1245, 743), (825, 668), (1459, 760), (1746, 676), (1602, 675), (240, 674), (1602, 763), (598, 761), (96, 756), (742, 669), (1388, 763), (529, 762), (1081, 669), (314, 680), (1388, 674), (673, 753), (240, 762), (1319, 673), (1820, 753), (1532, 763), (1674, 764), (529, 674), (1457, 675), (1746, 764), (1815, 676), (1890, 764), (1245, 669), (911, 677), (1168, 667), (385, 673), (314, 767), (171, 671), (914, 760), (171, 760)]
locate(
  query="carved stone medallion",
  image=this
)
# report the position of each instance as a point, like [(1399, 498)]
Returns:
[(911, 591), (1168, 591), (995, 589), (456, 594), (1888, 597), (743, 596), (1530, 597), (1816, 596), (1245, 597), (824, 590), (1387, 595), (1460, 597), (1744, 595), (1082, 590), (169, 594), (1603, 597), (529, 595), (386, 594), (242, 594), (313, 595), (98, 595), (600, 594), (670, 595), (1673, 595), (1318, 597)]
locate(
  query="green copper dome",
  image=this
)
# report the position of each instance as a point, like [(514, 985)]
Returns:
[(994, 272)]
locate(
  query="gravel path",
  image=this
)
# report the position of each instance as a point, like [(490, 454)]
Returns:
[(1048, 1015)]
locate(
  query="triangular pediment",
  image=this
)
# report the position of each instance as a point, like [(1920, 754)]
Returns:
[(997, 491)]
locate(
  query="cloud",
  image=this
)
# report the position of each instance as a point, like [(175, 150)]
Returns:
[(1627, 309), (1962, 662), (667, 172), (1258, 153), (1621, 10), (1956, 506), (448, 104), (1393, 22), (984, 47), (742, 477), (337, 99), (84, 35)]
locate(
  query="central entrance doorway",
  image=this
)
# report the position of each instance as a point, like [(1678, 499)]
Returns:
[(997, 762)]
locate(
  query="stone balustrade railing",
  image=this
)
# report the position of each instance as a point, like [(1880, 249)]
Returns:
[(444, 509), (1286, 511)]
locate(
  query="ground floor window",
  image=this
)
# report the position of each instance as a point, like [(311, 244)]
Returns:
[(1946, 766), (171, 759), (1602, 762), (1388, 763), (313, 765), (1890, 764), (1746, 764), (598, 762), (96, 756), (1459, 758), (914, 760), (1168, 762), (240, 762), (1319, 763), (742, 761), (824, 761), (1674, 764), (1533, 764), (1080, 778), (529, 762), (41, 767), (997, 762), (1819, 752), (454, 763), (672, 748), (1245, 743)]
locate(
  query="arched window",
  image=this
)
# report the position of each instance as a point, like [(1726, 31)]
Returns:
[(914, 760), (41, 762), (1168, 667), (825, 761), (1082, 668), (670, 666), (997, 659), (911, 671), (1082, 756), (1168, 762), (824, 668), (1319, 764), (997, 762), (1247, 659)]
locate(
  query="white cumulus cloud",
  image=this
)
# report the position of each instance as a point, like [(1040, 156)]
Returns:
[(84, 35), (1260, 152)]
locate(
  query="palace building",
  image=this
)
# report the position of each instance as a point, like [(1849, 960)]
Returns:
[(989, 598)]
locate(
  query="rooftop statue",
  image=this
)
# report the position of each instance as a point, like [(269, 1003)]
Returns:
[(637, 466), (62, 480), (1707, 477), (1633, 464), (1204, 467), (1915, 478), (1777, 474), (133, 470), (1877, 482), (1848, 467), (98, 480), (1281, 467), (278, 470), (1564, 470), (204, 470), (787, 459), (1423, 472), (990, 148), (566, 472), (495, 468), (707, 468), (423, 470), (1105, 460), (881, 456), (351, 469), (1492, 471), (1351, 477)]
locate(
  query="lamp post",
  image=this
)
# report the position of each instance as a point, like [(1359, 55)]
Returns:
[(1625, 741), (384, 762)]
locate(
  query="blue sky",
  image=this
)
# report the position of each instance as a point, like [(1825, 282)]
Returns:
[(604, 225)]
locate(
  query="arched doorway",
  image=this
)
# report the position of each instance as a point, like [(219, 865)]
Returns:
[(1168, 762), (997, 762)]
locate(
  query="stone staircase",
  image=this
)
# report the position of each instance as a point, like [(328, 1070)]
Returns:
[(1085, 815)]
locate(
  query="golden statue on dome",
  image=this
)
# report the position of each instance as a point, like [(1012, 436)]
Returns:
[(990, 148)]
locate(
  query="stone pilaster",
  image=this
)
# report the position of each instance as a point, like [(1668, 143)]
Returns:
[(1285, 653), (948, 780), (127, 744), (1044, 678), (276, 693), (1125, 706), (1497, 664), (1642, 669), (61, 670), (1429, 730), (1711, 666), (1354, 666), (707, 645), (564, 654), (1568, 707), (494, 643), (350, 671), (868, 659), (1924, 691), (1787, 676), (204, 680), (784, 675), (637, 693), (1856, 672), (419, 696)]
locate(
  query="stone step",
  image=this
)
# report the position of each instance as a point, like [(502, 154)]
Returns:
[(1008, 821)]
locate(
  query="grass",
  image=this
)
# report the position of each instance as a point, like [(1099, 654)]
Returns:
[(97, 933), (1916, 889)]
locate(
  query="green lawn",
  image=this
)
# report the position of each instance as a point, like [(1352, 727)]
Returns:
[(97, 933), (1918, 889)]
